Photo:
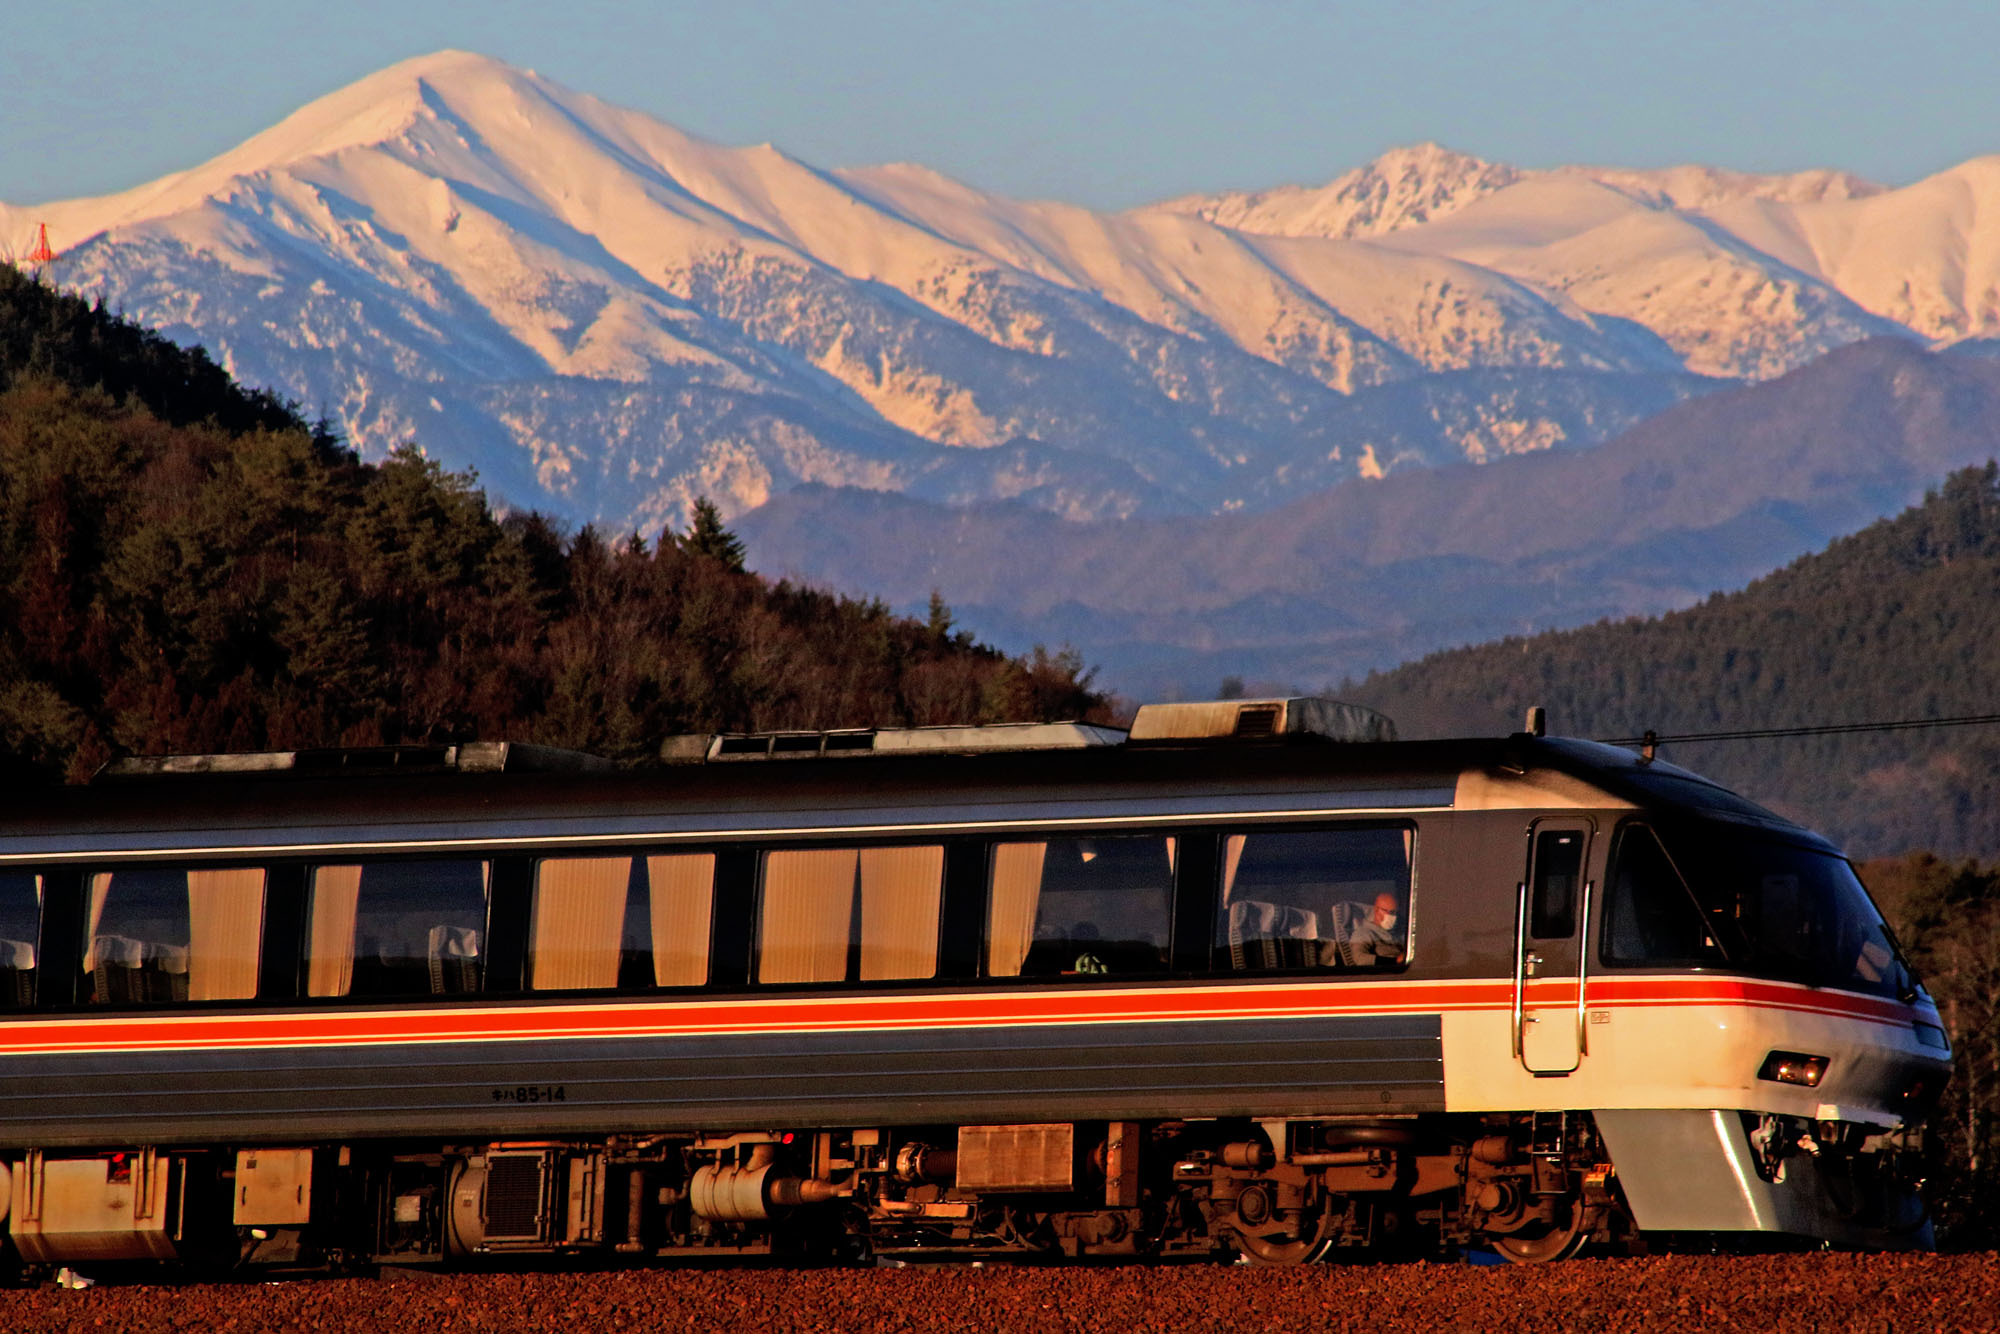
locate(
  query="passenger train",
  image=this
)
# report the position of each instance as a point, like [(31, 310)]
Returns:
[(1253, 979)]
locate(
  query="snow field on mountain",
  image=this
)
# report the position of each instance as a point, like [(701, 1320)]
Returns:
[(609, 317)]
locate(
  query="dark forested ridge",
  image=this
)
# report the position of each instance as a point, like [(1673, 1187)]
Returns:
[(46, 333), (1947, 916), (1706, 495), (186, 566), (1898, 621)]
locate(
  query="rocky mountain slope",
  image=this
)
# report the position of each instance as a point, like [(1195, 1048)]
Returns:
[(609, 317), (188, 568), (1367, 574)]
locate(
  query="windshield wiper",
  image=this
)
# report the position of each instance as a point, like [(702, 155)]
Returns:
[(1912, 985)]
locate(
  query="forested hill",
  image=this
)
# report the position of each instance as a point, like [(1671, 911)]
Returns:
[(45, 332), (1898, 621), (187, 566)]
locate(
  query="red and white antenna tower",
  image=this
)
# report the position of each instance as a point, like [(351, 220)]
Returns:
[(37, 261)]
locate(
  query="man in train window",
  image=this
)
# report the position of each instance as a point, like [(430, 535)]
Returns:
[(1375, 940)]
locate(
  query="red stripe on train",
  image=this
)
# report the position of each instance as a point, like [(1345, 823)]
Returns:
[(624, 1018)]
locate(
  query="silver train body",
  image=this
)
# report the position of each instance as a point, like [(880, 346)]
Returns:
[(1249, 980)]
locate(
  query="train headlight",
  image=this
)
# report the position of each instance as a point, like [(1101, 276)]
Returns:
[(1791, 1067)]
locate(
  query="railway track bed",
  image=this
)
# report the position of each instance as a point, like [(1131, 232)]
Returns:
[(1822, 1292)]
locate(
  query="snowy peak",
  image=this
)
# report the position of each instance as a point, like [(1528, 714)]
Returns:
[(1422, 183), (1402, 188), (366, 113), (1740, 274), (609, 316)]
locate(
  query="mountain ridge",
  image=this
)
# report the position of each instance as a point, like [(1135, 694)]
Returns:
[(1427, 181), (608, 316), (1362, 575), (186, 567)]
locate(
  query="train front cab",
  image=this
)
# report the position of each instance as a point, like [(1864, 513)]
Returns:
[(1716, 987)]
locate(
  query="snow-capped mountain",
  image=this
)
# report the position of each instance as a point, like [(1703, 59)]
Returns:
[(609, 317), (1742, 275), (1426, 182), (1705, 495)]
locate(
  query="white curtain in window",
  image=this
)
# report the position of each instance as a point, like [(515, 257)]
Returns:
[(100, 894), (901, 893), (578, 925), (1010, 913), (808, 910), (225, 932), (681, 897), (336, 897), (1232, 862)]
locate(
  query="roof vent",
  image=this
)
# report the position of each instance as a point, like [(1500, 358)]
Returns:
[(1259, 720), (784, 745), (1254, 719)]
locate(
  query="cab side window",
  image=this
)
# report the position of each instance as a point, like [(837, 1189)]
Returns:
[(1651, 916), (20, 935)]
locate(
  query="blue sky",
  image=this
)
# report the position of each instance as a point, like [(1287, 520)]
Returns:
[(1108, 104)]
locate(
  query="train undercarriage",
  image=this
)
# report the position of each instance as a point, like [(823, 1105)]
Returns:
[(1533, 1187)]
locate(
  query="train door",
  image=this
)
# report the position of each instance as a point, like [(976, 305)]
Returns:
[(1550, 948)]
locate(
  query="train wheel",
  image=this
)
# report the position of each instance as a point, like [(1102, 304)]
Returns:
[(1286, 1247), (1555, 1241)]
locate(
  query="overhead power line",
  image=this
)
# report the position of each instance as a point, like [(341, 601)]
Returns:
[(1827, 729)]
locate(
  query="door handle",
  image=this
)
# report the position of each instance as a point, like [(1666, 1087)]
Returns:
[(1530, 963)]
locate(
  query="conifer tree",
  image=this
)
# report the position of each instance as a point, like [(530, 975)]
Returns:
[(707, 537)]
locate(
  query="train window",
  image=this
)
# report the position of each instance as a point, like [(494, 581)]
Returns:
[(159, 934), (397, 928), (630, 922), (1316, 898), (1080, 907), (835, 914), (1754, 903), (20, 933), (1651, 916), (1558, 873)]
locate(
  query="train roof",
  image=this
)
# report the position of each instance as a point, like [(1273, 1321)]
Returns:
[(1206, 760)]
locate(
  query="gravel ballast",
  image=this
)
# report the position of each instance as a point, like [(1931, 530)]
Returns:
[(1815, 1292)]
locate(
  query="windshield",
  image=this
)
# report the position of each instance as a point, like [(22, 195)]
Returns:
[(1719, 897)]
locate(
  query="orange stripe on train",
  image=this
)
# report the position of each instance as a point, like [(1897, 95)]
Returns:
[(183, 1031)]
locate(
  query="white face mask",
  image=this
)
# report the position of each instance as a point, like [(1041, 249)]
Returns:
[(1385, 920)]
